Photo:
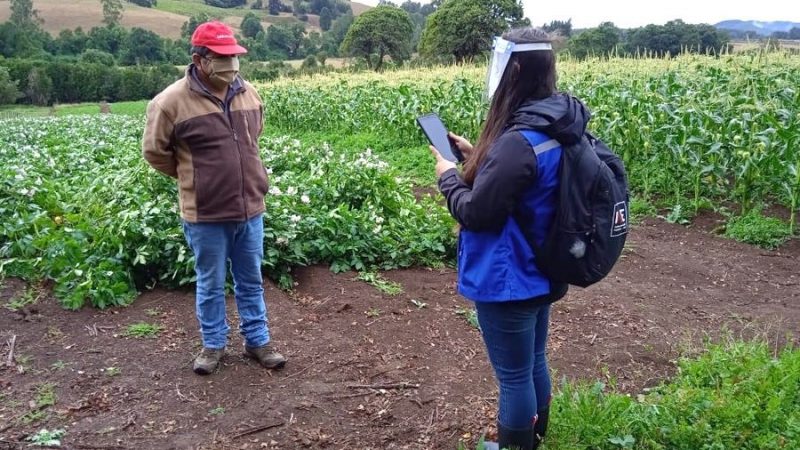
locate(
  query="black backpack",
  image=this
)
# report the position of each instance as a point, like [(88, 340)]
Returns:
[(591, 221)]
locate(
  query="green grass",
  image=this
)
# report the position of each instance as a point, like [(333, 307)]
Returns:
[(44, 398), (736, 395), (757, 229), (192, 7), (45, 395), (11, 111), (33, 416), (131, 108), (641, 208), (143, 330)]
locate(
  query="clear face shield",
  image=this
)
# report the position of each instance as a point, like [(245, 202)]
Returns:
[(501, 53)]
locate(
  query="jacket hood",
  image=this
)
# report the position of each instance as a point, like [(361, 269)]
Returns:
[(560, 116)]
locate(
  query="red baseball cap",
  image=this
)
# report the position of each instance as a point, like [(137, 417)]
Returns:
[(217, 37)]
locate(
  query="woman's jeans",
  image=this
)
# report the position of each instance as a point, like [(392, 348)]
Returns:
[(515, 334), (214, 245)]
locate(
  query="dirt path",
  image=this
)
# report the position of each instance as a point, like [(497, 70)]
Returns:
[(367, 370)]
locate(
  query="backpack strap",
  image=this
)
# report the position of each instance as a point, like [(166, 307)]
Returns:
[(540, 143)]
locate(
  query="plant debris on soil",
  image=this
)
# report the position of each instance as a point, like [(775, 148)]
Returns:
[(366, 369)]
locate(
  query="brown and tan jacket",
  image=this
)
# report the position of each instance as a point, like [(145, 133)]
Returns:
[(212, 152)]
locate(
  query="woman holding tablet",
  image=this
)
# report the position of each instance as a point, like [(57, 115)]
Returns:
[(510, 182)]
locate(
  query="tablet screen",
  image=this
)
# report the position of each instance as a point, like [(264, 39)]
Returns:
[(437, 135)]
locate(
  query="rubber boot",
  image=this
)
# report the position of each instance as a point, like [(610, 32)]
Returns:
[(540, 427), (515, 439)]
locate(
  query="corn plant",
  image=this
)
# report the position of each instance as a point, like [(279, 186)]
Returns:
[(692, 130)]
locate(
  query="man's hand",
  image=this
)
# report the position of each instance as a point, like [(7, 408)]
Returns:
[(442, 165)]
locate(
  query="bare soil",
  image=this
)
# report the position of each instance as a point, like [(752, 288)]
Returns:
[(368, 370)]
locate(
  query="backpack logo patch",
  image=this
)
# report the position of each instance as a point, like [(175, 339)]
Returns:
[(619, 224)]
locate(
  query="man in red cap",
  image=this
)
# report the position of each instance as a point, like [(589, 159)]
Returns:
[(203, 130)]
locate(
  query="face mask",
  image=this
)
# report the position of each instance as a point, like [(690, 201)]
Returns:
[(222, 71), (501, 53)]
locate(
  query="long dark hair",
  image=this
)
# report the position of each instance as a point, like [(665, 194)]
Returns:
[(528, 76)]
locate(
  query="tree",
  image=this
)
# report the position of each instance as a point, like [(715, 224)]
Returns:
[(710, 39), (40, 87), (325, 19), (340, 28), (561, 27), (225, 3), (145, 3), (342, 8), (429, 8), (674, 37), (464, 28), (309, 63), (93, 56), (188, 27), (9, 93), (411, 7), (299, 7), (143, 47), (384, 30), (71, 42), (23, 14), (23, 40), (251, 25), (108, 39), (112, 12), (286, 38), (275, 7), (595, 41)]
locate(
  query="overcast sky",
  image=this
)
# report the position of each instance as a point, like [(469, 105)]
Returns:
[(629, 13)]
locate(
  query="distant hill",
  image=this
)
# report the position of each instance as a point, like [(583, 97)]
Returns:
[(165, 19), (754, 26)]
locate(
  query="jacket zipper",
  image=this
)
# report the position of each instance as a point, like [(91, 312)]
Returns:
[(221, 104)]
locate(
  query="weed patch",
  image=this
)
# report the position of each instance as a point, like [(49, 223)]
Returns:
[(142, 330), (754, 228)]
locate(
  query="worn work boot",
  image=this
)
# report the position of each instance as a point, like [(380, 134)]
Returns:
[(266, 356), (207, 361)]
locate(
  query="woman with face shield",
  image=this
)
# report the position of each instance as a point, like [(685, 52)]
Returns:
[(507, 190)]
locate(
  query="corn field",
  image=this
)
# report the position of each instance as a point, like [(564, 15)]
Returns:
[(695, 131)]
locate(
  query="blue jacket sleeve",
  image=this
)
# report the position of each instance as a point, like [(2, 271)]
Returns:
[(508, 170)]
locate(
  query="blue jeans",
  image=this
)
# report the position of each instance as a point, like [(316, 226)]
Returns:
[(515, 334), (213, 245)]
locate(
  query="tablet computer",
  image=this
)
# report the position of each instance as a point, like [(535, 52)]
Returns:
[(436, 133)]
